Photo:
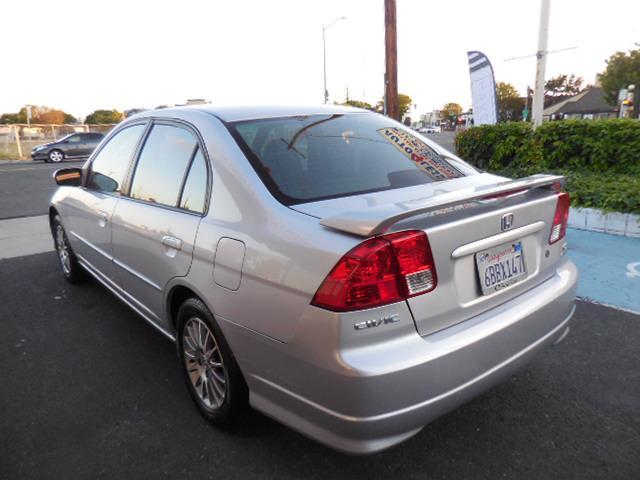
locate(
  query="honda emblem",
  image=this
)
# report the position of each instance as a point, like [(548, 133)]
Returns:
[(507, 221)]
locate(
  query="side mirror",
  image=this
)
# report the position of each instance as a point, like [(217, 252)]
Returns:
[(68, 177)]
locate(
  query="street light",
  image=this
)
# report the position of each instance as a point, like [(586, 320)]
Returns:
[(324, 56)]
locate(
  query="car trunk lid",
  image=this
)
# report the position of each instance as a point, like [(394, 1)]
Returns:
[(465, 221)]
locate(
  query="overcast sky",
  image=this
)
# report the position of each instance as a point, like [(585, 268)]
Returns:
[(82, 55)]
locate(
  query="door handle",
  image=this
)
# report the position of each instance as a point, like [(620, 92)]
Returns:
[(172, 242), (103, 218)]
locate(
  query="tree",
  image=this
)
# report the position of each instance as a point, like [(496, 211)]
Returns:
[(11, 118), (404, 104), (47, 115), (39, 114), (561, 87), (510, 105), (357, 103), (623, 69), (451, 111), (104, 116), (68, 119)]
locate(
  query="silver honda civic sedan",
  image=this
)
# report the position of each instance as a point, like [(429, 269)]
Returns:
[(326, 265)]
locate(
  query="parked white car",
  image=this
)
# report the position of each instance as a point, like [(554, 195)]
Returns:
[(431, 129)]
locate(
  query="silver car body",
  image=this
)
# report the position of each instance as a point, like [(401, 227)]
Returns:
[(257, 263)]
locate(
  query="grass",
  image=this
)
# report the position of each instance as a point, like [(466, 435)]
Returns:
[(9, 150)]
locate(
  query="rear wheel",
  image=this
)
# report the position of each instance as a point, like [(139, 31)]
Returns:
[(213, 377), (56, 156), (71, 269)]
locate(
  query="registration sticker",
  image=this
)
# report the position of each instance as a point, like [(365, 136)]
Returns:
[(425, 157)]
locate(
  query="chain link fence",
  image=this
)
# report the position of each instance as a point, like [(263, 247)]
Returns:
[(17, 140)]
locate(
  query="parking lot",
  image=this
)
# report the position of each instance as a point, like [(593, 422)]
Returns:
[(91, 391)]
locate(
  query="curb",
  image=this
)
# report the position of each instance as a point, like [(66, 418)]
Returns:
[(614, 223)]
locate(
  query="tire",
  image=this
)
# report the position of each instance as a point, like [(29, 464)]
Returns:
[(212, 375), (55, 156), (69, 265)]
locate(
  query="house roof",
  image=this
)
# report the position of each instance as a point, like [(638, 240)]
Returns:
[(590, 101), (555, 108)]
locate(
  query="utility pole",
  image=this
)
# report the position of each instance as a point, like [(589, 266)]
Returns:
[(391, 54), (541, 64)]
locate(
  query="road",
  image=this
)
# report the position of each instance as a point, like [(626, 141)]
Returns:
[(89, 390), (26, 187), (445, 139)]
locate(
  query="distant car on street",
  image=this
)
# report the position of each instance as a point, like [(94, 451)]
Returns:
[(75, 145), (431, 129)]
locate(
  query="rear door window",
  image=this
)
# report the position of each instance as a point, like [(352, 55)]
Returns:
[(195, 187), (314, 157), (163, 162)]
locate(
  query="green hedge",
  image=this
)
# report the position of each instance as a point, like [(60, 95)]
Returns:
[(601, 158)]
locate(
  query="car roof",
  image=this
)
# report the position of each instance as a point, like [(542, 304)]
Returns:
[(238, 113)]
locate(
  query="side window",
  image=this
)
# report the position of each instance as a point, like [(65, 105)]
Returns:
[(74, 139), (109, 168), (195, 188), (163, 162)]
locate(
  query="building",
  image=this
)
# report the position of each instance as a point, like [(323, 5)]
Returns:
[(430, 118), (588, 105)]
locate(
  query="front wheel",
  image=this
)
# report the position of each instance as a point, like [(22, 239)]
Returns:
[(56, 156), (71, 269), (213, 377)]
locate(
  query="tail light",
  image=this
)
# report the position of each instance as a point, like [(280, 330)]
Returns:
[(379, 271), (560, 218)]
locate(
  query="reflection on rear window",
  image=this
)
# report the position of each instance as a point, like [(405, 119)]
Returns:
[(308, 158)]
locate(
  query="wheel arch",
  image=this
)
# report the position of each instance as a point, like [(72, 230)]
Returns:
[(52, 214), (178, 293)]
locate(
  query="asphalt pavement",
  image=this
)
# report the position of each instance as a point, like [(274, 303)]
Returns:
[(91, 391), (26, 187), (445, 139)]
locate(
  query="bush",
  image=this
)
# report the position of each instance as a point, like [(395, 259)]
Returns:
[(614, 193), (601, 158)]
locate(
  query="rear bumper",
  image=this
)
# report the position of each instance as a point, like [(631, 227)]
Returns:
[(365, 398)]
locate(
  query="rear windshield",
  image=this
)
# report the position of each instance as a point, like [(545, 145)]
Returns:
[(315, 157)]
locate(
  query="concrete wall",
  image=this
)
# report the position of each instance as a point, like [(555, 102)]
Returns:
[(595, 220)]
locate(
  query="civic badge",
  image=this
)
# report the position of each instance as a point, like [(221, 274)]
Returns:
[(507, 221)]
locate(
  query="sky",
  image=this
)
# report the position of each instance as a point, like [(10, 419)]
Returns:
[(78, 56)]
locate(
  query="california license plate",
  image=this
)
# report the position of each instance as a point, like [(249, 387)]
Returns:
[(500, 267)]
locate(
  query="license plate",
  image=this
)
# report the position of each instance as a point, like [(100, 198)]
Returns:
[(500, 267)]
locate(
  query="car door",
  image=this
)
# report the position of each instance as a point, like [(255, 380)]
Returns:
[(154, 228), (86, 144), (90, 208), (73, 145)]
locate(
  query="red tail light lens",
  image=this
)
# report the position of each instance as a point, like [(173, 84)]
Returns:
[(560, 218), (379, 271)]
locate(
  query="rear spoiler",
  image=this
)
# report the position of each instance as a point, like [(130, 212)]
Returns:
[(377, 220)]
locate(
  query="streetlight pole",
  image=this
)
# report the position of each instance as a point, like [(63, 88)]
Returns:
[(324, 57)]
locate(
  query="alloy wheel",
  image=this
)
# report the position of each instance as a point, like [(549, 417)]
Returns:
[(56, 156), (204, 363), (63, 250)]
